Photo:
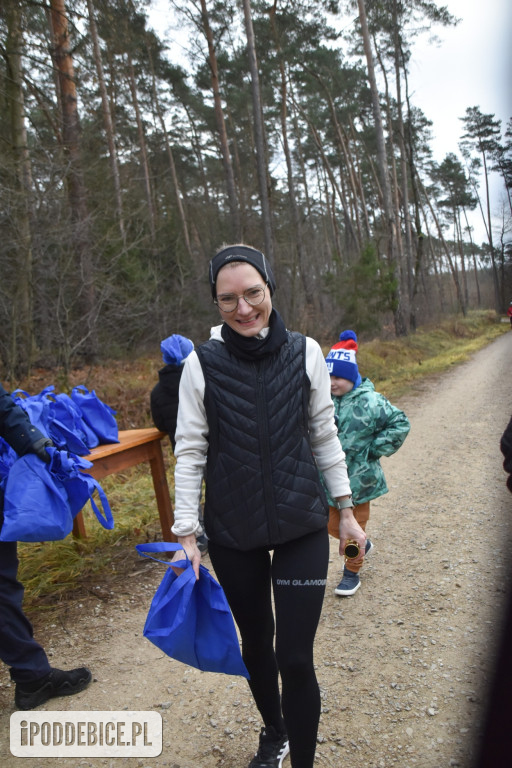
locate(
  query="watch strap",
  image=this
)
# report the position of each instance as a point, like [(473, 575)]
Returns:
[(344, 503)]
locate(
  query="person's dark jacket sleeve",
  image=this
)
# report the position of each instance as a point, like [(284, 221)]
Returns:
[(506, 449), (164, 400), (15, 426)]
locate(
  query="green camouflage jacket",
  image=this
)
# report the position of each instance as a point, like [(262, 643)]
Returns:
[(368, 427)]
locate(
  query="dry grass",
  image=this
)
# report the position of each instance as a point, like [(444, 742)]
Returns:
[(395, 366)]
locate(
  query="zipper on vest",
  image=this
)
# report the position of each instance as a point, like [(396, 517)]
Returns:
[(266, 458)]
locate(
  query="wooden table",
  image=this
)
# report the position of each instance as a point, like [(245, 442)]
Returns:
[(134, 447)]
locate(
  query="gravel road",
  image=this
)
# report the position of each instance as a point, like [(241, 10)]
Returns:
[(403, 664)]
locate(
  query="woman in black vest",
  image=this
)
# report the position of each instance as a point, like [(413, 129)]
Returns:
[(256, 420)]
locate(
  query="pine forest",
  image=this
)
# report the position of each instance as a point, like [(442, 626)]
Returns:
[(123, 168)]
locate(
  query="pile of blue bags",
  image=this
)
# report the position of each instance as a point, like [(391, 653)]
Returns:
[(41, 500), (74, 423)]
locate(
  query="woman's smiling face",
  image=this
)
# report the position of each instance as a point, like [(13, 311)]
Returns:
[(235, 279)]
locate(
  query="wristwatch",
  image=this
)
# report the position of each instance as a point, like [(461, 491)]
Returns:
[(344, 503)]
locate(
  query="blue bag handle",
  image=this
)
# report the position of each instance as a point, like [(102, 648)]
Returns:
[(67, 460), (161, 546), (48, 391), (186, 577), (69, 463), (82, 390), (106, 519), (18, 392)]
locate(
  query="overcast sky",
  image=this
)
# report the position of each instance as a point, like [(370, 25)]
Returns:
[(470, 65)]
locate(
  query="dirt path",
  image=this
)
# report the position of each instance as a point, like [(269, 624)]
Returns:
[(402, 664)]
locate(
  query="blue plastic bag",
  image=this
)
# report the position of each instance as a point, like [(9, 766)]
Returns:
[(7, 458), (37, 408), (99, 416), (65, 412), (79, 486), (58, 418), (65, 437), (41, 500), (191, 620), (36, 507)]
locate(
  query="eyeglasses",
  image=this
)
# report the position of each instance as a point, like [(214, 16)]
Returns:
[(228, 302)]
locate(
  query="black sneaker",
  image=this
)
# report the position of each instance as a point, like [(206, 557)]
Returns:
[(55, 683), (272, 750)]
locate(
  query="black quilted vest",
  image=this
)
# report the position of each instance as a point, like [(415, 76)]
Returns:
[(262, 483)]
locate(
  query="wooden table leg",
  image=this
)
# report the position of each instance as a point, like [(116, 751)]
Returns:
[(134, 449), (163, 498), (79, 527)]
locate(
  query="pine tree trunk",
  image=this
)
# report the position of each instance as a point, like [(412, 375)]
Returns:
[(497, 302), (350, 235), (221, 125), (356, 154), (348, 164), (21, 354), (196, 147), (451, 264), (300, 154), (259, 132), (107, 118), (400, 327), (416, 207), (403, 158), (475, 268), (172, 166), (460, 242), (239, 176), (61, 55), (307, 284), (437, 273), (142, 147), (395, 192)]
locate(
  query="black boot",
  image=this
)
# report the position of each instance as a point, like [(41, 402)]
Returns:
[(56, 683)]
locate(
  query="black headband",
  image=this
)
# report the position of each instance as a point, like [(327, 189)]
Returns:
[(241, 253)]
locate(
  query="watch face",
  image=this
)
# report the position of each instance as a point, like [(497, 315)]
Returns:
[(351, 549)]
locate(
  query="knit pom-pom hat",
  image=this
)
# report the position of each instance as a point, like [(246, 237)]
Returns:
[(175, 349), (341, 360)]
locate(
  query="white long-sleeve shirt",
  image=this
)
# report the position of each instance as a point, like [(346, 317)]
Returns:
[(192, 435)]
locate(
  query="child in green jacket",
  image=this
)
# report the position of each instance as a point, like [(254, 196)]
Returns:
[(368, 427)]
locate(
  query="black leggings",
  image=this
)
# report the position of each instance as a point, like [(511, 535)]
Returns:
[(297, 571)]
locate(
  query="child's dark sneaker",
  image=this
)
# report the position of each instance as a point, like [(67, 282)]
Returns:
[(56, 683), (349, 584), (272, 750)]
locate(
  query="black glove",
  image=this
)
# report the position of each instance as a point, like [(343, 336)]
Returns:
[(39, 448)]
